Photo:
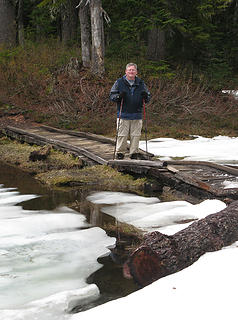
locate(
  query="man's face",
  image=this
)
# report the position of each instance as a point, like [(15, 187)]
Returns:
[(131, 72)]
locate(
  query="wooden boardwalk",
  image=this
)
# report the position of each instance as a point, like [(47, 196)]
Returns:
[(92, 148), (200, 178)]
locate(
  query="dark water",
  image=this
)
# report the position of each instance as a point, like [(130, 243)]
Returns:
[(26, 184), (109, 278)]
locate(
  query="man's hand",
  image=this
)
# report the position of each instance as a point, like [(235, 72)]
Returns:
[(122, 95), (144, 95)]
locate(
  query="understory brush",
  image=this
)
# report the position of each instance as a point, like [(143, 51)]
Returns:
[(48, 84)]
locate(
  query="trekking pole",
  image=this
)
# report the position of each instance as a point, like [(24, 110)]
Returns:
[(145, 120), (118, 125)]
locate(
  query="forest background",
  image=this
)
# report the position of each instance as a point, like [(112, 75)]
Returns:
[(59, 59)]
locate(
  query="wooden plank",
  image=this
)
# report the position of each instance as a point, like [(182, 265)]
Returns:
[(36, 138), (172, 169), (81, 134), (189, 179), (231, 170), (91, 136), (134, 163)]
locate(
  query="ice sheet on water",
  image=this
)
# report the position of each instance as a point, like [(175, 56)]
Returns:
[(134, 211), (3, 189), (35, 224), (150, 216), (7, 194), (49, 264), (46, 257), (54, 307), (14, 198), (107, 197), (170, 216)]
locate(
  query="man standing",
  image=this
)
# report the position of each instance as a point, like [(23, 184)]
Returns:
[(129, 92)]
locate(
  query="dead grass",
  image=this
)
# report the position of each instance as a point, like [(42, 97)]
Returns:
[(54, 89), (17, 154)]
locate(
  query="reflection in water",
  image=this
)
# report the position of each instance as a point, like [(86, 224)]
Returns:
[(48, 200), (49, 253)]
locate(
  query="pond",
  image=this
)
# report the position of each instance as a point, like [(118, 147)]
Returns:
[(54, 259)]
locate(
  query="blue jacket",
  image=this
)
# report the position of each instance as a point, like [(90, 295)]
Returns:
[(132, 105)]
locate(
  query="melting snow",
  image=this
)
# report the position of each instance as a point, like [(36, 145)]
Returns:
[(46, 258)]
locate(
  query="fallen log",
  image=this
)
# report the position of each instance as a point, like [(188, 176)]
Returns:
[(160, 255)]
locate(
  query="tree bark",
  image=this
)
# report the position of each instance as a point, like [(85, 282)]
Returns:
[(156, 44), (20, 26), (97, 62), (7, 23), (69, 18), (160, 255), (84, 17)]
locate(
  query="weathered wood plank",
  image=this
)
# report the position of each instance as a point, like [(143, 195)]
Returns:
[(82, 134), (231, 170), (35, 138), (91, 136), (134, 163)]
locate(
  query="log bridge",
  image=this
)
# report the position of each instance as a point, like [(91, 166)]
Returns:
[(201, 179)]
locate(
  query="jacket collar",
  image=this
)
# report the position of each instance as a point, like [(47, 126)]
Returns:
[(137, 80)]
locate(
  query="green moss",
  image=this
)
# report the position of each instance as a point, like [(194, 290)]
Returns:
[(63, 170), (17, 154), (103, 176)]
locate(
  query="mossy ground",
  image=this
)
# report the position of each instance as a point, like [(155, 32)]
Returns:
[(17, 154), (99, 176), (63, 170)]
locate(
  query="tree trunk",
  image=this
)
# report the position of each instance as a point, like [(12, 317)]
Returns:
[(235, 17), (160, 255), (97, 63), (156, 44), (20, 26), (69, 21), (7, 23), (84, 17)]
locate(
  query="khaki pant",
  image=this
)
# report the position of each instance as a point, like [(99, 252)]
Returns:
[(131, 128)]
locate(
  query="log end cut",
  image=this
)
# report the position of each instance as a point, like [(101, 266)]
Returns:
[(144, 266)]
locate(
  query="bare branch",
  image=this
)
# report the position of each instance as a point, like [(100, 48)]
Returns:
[(81, 3), (106, 16)]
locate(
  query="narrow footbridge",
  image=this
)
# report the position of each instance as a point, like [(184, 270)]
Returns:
[(200, 178)]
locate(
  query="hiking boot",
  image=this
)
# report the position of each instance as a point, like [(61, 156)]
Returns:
[(134, 156), (138, 156), (119, 156)]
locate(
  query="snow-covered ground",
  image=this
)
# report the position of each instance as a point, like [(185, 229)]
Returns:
[(44, 260), (220, 149), (205, 290)]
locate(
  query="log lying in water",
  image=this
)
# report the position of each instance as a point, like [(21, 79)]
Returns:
[(160, 255)]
